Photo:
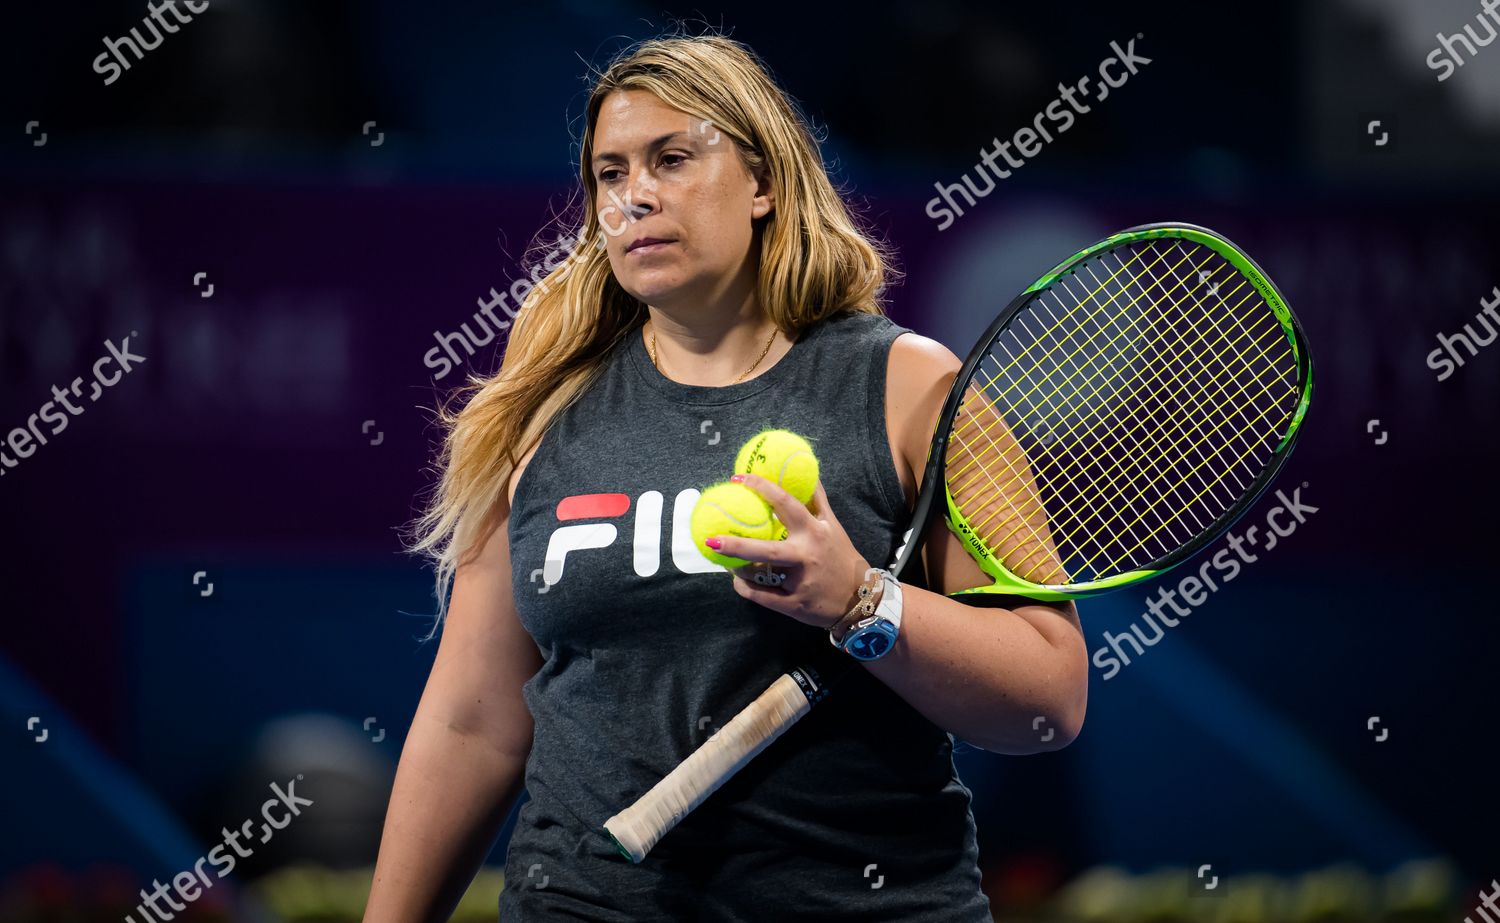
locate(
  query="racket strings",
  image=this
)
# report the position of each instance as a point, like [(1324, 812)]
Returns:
[(1176, 439), (1005, 490), (1186, 439), (1258, 370), (1078, 467), (1097, 377), (1046, 362), (1130, 405), (1220, 500), (1045, 369), (1081, 304), (960, 466), (1110, 424), (1031, 555)]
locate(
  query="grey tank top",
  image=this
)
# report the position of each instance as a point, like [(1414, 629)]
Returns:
[(857, 812)]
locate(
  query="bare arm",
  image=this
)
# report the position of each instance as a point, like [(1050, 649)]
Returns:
[(463, 764), (1008, 680), (986, 675)]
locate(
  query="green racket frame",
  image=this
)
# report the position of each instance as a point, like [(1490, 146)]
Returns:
[(1009, 584)]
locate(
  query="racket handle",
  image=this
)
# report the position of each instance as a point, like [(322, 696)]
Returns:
[(638, 828)]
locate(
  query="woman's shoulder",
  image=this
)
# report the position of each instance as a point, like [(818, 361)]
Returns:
[(915, 355), (910, 352), (912, 360), (862, 324), (515, 476), (838, 337)]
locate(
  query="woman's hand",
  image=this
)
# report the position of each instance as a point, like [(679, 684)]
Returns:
[(821, 568)]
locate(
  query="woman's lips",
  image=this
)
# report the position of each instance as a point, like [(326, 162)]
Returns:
[(652, 248)]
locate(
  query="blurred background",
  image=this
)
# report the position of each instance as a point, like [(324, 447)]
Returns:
[(287, 205)]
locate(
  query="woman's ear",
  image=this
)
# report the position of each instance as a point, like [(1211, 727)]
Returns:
[(765, 197)]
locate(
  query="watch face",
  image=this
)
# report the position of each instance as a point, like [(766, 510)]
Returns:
[(871, 641)]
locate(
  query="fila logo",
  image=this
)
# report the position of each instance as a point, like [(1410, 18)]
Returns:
[(576, 536)]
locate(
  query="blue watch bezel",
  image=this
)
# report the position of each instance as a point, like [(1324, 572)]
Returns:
[(871, 639)]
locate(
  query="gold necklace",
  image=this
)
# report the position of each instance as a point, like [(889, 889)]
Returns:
[(752, 367)]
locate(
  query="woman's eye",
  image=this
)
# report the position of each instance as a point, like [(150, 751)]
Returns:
[(609, 176)]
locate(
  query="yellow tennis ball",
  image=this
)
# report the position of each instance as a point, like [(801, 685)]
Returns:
[(732, 509), (783, 458)]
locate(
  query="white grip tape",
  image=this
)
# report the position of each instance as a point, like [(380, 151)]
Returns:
[(638, 828)]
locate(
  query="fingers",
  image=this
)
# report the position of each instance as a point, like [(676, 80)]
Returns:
[(778, 554), (796, 517), (819, 502), (763, 575), (762, 596), (788, 508)]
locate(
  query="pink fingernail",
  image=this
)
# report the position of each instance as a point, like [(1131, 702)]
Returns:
[(737, 479), (713, 543)]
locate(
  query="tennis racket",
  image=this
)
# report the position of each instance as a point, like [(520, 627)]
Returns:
[(1118, 416)]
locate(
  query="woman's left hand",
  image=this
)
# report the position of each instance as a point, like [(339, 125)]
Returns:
[(822, 570)]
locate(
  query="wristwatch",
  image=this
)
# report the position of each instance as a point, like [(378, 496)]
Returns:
[(873, 636)]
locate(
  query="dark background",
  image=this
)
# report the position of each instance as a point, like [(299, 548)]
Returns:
[(239, 449)]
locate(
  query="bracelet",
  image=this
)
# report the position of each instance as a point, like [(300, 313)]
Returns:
[(869, 598)]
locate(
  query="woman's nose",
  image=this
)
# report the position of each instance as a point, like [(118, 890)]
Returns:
[(640, 200)]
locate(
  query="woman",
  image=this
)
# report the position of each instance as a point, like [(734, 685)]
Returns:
[(719, 287)]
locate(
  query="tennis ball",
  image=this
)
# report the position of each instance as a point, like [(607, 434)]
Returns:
[(783, 458), (732, 509)]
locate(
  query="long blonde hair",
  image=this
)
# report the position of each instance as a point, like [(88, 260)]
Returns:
[(815, 261)]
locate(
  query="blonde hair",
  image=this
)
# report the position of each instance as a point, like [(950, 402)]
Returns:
[(815, 261)]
